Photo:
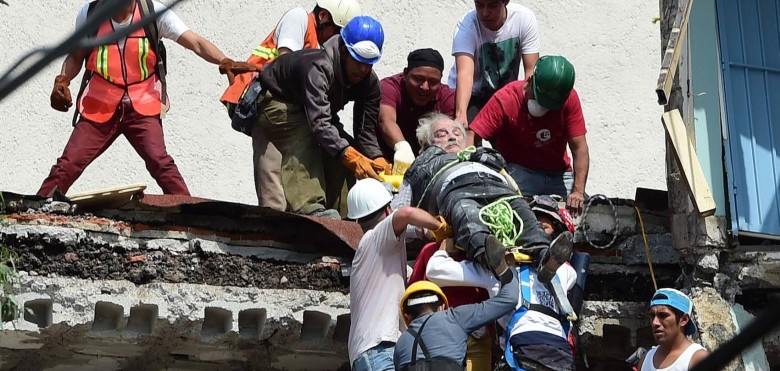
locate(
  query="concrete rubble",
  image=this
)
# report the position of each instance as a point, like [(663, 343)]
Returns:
[(224, 327), (117, 291)]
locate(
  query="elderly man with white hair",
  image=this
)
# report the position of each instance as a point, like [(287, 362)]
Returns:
[(468, 187)]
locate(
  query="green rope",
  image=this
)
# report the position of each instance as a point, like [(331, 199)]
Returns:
[(499, 217), (465, 154)]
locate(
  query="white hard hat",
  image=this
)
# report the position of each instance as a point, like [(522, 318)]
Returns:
[(341, 10), (366, 197)]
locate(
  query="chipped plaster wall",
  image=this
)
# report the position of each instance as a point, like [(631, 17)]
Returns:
[(612, 43)]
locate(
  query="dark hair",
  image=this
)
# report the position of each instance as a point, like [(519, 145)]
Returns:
[(415, 311), (677, 313), (373, 215)]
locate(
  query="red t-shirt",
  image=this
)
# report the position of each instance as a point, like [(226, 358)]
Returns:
[(407, 114), (534, 142), (456, 296)]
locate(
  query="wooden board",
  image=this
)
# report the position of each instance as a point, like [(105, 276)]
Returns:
[(108, 198), (672, 53), (685, 154)]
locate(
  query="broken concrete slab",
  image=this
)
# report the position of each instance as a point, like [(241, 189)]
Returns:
[(633, 250), (754, 268), (167, 244), (754, 357), (707, 262), (198, 244), (56, 235), (713, 318)]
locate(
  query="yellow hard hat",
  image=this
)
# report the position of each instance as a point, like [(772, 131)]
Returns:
[(420, 286)]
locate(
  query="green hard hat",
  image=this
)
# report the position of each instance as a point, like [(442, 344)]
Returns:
[(553, 80)]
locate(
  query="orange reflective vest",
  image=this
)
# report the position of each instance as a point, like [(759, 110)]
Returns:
[(264, 53), (118, 71)]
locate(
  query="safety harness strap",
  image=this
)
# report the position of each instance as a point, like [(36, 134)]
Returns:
[(418, 340), (147, 7), (525, 297)]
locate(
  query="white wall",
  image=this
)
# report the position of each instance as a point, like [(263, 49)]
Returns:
[(612, 43)]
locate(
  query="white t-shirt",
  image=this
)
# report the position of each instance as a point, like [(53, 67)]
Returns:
[(536, 321), (291, 29), (680, 364), (169, 25), (446, 272), (377, 284), (497, 54)]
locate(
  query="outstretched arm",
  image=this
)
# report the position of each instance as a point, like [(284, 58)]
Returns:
[(413, 216), (473, 316), (465, 81), (581, 164), (445, 272), (202, 47)]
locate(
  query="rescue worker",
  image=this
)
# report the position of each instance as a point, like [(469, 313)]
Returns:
[(379, 272), (405, 98), (538, 331), (296, 30), (533, 135), (457, 183), (124, 95), (489, 44), (437, 336), (479, 343), (671, 322), (553, 219), (298, 113)]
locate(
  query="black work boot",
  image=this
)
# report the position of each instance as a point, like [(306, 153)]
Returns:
[(494, 258), (556, 255)]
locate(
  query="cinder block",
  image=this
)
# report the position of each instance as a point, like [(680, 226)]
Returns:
[(39, 312), (315, 325), (107, 316), (216, 322), (341, 332), (617, 338), (142, 319), (251, 323)]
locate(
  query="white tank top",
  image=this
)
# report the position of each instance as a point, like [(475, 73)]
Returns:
[(680, 364)]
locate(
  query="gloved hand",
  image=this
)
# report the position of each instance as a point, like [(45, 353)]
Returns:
[(402, 158), (443, 232), (60, 95), (362, 166), (387, 168), (232, 68)]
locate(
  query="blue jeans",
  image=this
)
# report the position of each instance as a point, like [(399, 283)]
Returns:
[(536, 182), (378, 358)]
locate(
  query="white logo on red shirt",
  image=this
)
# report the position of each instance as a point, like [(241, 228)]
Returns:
[(543, 135)]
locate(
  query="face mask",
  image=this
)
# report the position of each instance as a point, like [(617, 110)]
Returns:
[(535, 109)]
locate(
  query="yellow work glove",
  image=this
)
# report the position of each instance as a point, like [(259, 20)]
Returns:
[(443, 232), (362, 166), (402, 158)]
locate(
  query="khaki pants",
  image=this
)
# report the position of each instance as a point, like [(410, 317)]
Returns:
[(268, 172), (478, 353), (312, 180)]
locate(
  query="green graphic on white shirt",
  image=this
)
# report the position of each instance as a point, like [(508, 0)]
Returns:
[(500, 64)]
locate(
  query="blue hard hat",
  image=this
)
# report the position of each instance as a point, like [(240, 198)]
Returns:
[(363, 36)]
